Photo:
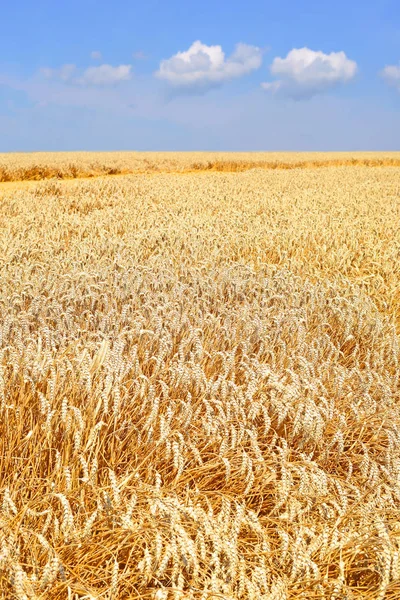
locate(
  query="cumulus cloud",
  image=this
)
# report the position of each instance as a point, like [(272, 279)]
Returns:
[(95, 54), (391, 74), (102, 75), (203, 66), (304, 72)]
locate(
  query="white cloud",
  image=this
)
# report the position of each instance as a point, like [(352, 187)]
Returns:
[(65, 73), (391, 74), (203, 66), (102, 75), (95, 54), (304, 72), (271, 86), (105, 75)]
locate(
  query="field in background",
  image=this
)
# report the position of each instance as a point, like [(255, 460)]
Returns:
[(72, 165), (199, 381)]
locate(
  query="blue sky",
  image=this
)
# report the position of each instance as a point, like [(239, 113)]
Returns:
[(227, 75)]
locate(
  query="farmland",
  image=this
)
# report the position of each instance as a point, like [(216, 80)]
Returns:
[(37, 166), (199, 376)]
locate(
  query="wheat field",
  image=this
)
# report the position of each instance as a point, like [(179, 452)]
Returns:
[(36, 166), (199, 378)]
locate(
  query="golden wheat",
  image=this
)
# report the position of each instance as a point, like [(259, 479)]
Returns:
[(199, 386), (35, 166)]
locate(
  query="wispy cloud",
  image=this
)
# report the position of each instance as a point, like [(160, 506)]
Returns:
[(105, 75), (139, 55), (304, 73), (65, 73), (101, 75), (391, 74), (202, 67)]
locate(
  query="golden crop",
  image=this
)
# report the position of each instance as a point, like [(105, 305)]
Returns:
[(73, 165), (199, 383)]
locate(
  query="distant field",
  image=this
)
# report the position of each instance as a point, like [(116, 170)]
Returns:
[(199, 377), (67, 165)]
